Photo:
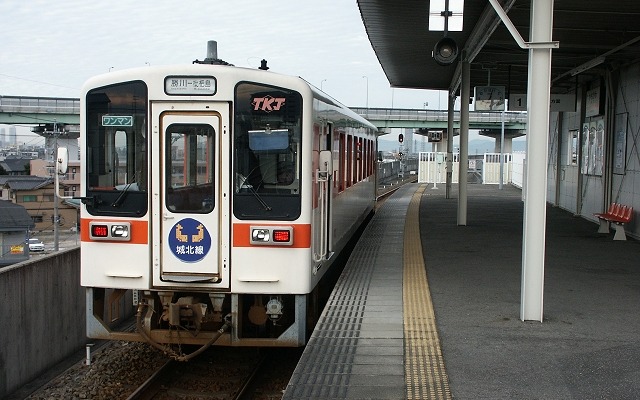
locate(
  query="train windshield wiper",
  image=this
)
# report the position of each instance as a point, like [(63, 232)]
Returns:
[(259, 198), (242, 185), (123, 194)]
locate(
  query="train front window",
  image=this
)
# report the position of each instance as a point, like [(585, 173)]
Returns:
[(190, 168), (266, 152), (116, 153)]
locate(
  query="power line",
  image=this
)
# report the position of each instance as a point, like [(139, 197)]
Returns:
[(35, 81)]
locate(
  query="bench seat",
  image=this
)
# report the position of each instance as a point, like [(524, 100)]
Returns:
[(617, 214)]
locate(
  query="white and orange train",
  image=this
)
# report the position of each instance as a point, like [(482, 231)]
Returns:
[(216, 198)]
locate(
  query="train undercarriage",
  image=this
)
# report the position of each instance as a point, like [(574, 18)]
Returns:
[(169, 320)]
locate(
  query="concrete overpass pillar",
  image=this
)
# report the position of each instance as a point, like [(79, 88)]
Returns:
[(508, 145)]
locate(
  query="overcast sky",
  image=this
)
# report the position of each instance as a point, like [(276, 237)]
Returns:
[(51, 48)]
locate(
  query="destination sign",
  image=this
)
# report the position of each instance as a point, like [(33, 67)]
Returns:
[(190, 85), (117, 120)]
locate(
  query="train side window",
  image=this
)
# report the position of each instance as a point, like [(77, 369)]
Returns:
[(360, 159), (372, 161), (349, 160), (365, 158), (335, 149), (354, 163), (342, 170), (368, 158)]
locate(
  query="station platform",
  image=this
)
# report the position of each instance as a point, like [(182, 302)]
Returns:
[(426, 309)]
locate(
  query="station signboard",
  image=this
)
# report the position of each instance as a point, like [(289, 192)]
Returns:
[(557, 102)]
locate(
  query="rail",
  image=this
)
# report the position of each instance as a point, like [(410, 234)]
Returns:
[(223, 373)]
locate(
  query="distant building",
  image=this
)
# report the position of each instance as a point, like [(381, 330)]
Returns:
[(69, 182), (15, 224), (36, 195), (8, 137), (409, 145), (16, 166)]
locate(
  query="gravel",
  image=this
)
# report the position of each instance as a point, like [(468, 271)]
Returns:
[(116, 370)]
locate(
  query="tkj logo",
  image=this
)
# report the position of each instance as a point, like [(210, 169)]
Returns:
[(189, 240), (268, 103)]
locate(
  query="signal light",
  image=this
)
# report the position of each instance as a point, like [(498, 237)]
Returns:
[(401, 138), (281, 236), (101, 231)]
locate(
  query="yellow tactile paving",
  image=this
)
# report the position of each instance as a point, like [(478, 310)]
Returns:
[(425, 374)]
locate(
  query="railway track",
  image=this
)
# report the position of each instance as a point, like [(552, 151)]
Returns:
[(390, 186), (223, 373)]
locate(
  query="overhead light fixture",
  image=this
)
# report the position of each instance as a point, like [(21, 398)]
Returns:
[(445, 52)]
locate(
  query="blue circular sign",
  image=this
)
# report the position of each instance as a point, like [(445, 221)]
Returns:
[(189, 240)]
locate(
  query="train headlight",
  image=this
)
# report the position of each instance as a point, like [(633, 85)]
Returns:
[(120, 231), (272, 235), (260, 235)]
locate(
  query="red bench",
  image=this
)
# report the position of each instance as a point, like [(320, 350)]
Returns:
[(618, 215)]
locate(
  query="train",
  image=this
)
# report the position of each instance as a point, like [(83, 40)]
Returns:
[(215, 199)]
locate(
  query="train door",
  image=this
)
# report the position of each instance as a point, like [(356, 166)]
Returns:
[(193, 206), (328, 188), (324, 172)]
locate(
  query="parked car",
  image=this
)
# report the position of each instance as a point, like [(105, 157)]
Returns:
[(35, 244)]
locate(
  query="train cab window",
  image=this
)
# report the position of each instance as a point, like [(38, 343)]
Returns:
[(116, 152), (189, 150), (266, 152)]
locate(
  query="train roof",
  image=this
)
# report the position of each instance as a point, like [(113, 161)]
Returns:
[(233, 72)]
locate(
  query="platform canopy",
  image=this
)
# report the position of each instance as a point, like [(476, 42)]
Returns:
[(592, 35)]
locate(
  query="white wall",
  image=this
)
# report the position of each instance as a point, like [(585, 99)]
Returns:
[(569, 187)]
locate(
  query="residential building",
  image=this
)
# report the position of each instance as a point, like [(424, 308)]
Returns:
[(36, 195), (15, 224)]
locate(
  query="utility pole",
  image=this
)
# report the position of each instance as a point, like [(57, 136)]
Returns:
[(55, 188)]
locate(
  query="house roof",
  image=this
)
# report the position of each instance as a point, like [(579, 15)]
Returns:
[(14, 217), (25, 183), (15, 164)]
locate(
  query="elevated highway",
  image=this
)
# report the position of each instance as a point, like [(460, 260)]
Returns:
[(385, 118), (22, 110), (45, 110)]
